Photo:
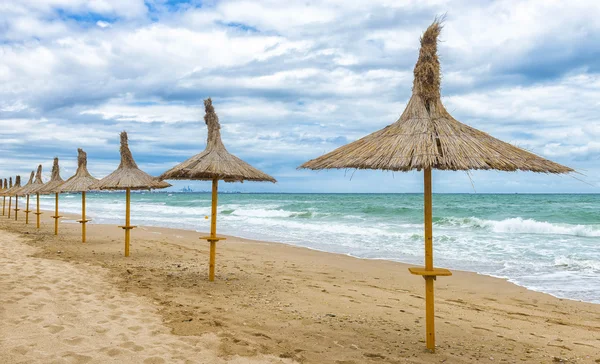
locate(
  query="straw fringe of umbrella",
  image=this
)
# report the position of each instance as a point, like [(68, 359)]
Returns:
[(128, 177), (215, 163), (427, 137), (80, 182)]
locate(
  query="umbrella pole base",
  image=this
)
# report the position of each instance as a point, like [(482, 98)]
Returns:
[(430, 276), (213, 252), (56, 218), (38, 218), (127, 236), (83, 222), (27, 216)]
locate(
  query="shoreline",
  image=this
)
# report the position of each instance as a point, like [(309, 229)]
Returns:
[(73, 217), (313, 306)]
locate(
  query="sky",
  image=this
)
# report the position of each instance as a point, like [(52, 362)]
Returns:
[(292, 80)]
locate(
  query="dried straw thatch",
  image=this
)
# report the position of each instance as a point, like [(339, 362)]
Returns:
[(55, 181), (15, 188), (427, 136), (82, 180), (23, 190), (215, 162), (34, 186), (128, 175), (7, 186)]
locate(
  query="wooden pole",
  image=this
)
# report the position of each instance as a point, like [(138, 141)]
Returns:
[(127, 221), (56, 214), (38, 213), (83, 220), (429, 308), (9, 205), (127, 227), (213, 230), (16, 207), (3, 204), (27, 211)]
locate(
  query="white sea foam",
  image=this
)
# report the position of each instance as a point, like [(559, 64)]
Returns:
[(585, 265), (519, 225)]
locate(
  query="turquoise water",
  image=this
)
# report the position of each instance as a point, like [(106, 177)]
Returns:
[(548, 243)]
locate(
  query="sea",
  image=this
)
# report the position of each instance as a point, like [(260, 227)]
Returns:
[(548, 243)]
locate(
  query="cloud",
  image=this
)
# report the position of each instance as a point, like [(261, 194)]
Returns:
[(293, 80)]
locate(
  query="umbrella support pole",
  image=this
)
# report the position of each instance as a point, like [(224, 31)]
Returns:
[(27, 211), (83, 220), (16, 207), (127, 227), (56, 217), (9, 205), (3, 204), (429, 272), (38, 213), (213, 238)]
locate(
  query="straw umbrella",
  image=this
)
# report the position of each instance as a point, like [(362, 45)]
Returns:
[(23, 192), (128, 177), (11, 192), (80, 182), (53, 186), (427, 137), (7, 188), (213, 164), (34, 187)]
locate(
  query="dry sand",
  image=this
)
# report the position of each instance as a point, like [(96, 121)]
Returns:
[(64, 301)]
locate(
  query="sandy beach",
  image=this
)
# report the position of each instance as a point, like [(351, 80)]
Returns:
[(64, 301)]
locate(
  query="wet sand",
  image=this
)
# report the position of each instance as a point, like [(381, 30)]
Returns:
[(65, 301)]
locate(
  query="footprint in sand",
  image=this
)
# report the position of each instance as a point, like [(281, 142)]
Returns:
[(154, 360), (114, 352), (78, 358), (132, 346), (54, 328), (74, 341)]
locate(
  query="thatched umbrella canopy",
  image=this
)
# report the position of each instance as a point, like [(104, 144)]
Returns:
[(32, 188), (213, 164), (80, 182), (128, 177), (12, 192), (53, 186), (56, 180), (427, 137), (34, 184)]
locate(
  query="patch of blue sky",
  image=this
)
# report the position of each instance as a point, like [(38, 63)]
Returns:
[(88, 18), (239, 26)]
